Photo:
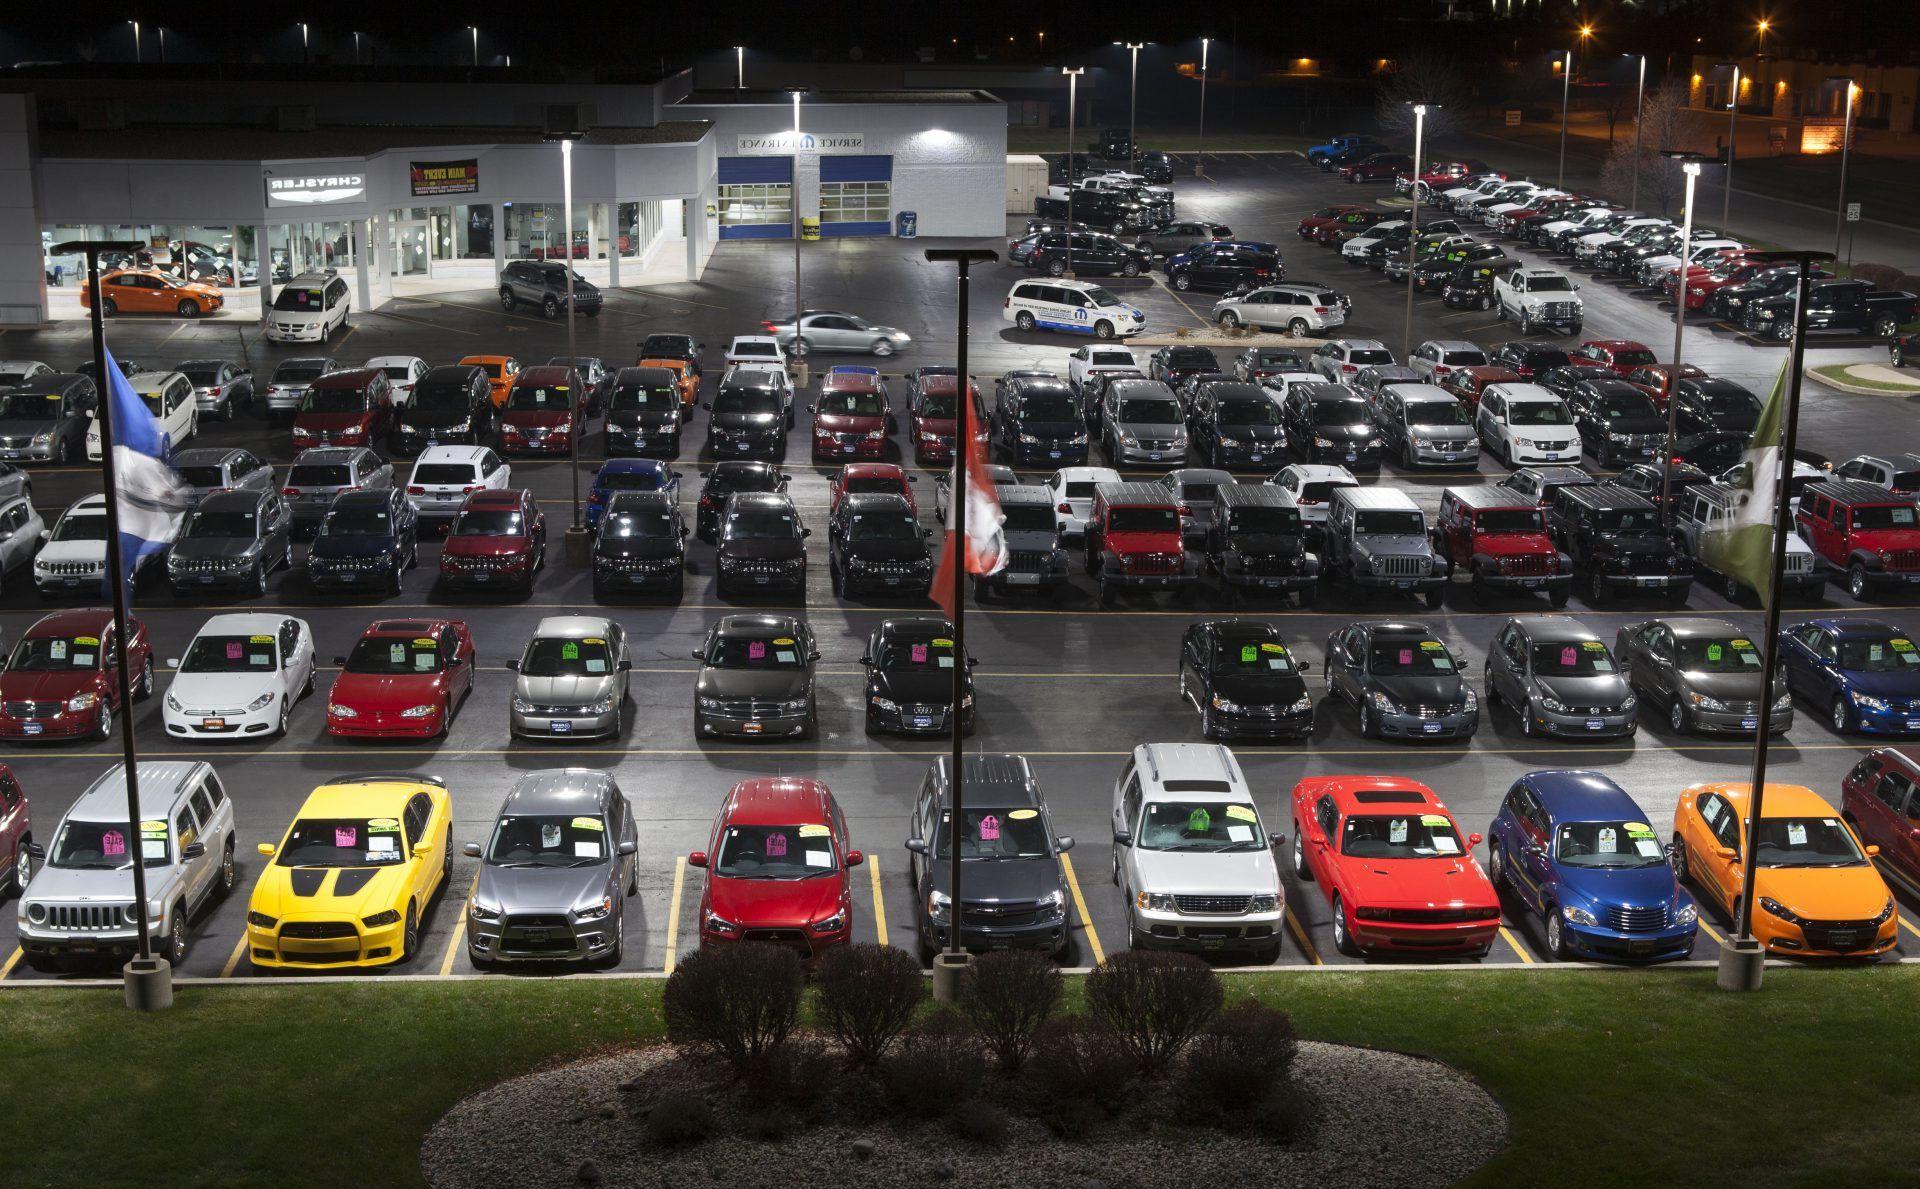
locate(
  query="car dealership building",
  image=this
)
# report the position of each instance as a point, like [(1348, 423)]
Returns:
[(248, 176)]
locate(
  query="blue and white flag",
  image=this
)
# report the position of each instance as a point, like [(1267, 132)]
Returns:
[(147, 491)]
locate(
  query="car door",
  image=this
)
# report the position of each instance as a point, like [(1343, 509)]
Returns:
[(1534, 870), (1504, 657), (1126, 819), (1193, 666), (424, 870), (1323, 841), (212, 833), (1810, 655), (194, 873), (1347, 677), (1723, 872), (296, 657), (1882, 818)]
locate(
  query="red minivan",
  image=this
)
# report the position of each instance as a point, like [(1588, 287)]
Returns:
[(60, 681), (778, 868), (1881, 798), (351, 408), (540, 413), (850, 419)]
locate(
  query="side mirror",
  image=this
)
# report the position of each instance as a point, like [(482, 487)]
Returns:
[(626, 666), (458, 661), (35, 850), (1303, 666), (514, 666), (813, 655), (1063, 844), (706, 406), (806, 532), (1276, 839), (917, 845), (1123, 838), (193, 850), (627, 848), (813, 410), (866, 658), (471, 850), (1724, 852), (340, 660), (697, 859), (1475, 839), (697, 655), (1873, 852), (926, 532), (266, 848), (855, 858), (422, 849), (173, 662)]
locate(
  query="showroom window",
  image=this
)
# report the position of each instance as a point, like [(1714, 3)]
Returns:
[(856, 202), (757, 202)]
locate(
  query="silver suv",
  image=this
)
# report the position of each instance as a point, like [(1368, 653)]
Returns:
[(1376, 539), (319, 473), (80, 902)]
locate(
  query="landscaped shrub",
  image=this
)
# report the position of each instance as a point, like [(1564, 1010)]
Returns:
[(1008, 995), (789, 1079), (676, 1119), (1155, 1002), (1884, 275), (981, 1122), (867, 996), (1239, 1060), (736, 1001), (1079, 1073), (935, 1067)]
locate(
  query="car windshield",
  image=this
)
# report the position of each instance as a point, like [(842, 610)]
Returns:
[(539, 398), (1731, 654), (736, 401), (488, 522), (755, 652), (102, 846), (743, 349), (553, 656), (1395, 524), (851, 402), (931, 653), (1608, 844), (645, 397), (549, 840), (1511, 520), (775, 852), (1340, 412), (1416, 836), (334, 400), (874, 485), (1553, 285), (1252, 656), (444, 474), (1459, 358), (1249, 412), (1060, 406), (635, 480), (1101, 297), (342, 842), (1192, 358), (1619, 404), (1538, 412), (761, 524), (884, 526), (208, 476), (1027, 518), (1154, 411), (1110, 358), (494, 370), (1080, 489), (440, 397), (1437, 412), (1891, 655), (1203, 826), (1273, 521), (1409, 658), (1634, 357), (393, 655), (238, 522), (50, 654), (1630, 521), (319, 474), (988, 834), (84, 526), (1906, 482), (1143, 520), (29, 406), (1567, 658), (624, 525), (357, 521), (231, 654), (1805, 842), (299, 301), (1876, 516), (1730, 402)]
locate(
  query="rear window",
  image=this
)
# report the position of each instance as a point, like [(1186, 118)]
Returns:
[(1082, 490), (1371, 355), (202, 477), (1464, 358), (444, 473), (312, 474)]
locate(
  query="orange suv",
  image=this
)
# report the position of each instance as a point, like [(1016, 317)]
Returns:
[(500, 369), (686, 381), (144, 291)]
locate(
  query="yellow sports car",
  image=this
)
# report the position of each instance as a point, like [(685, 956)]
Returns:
[(352, 878)]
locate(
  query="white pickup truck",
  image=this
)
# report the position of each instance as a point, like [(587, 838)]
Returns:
[(1538, 297)]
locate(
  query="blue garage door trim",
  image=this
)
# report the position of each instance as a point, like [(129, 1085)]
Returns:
[(741, 171), (846, 229), (757, 231), (855, 169)]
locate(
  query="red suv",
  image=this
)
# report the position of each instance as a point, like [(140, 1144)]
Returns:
[(871, 478), (353, 408), (61, 682), (1344, 228), (404, 679), (1622, 356), (1378, 168), (1134, 539), (1320, 218), (498, 538), (1500, 537), (16, 833), (539, 417), (778, 868), (936, 417), (1866, 531), (850, 418)]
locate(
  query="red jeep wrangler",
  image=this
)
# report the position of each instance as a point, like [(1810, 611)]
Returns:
[(1500, 538), (1134, 539), (1865, 531)]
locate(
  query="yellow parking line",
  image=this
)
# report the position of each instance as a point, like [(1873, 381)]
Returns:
[(13, 960), (1300, 936), (459, 930), (1517, 947), (233, 959), (880, 906), (673, 912), (1711, 931), (1079, 903)]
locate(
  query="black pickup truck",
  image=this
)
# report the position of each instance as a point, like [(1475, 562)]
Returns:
[(1835, 307), (1095, 209)]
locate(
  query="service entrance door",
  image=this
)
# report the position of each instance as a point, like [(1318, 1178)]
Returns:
[(412, 250)]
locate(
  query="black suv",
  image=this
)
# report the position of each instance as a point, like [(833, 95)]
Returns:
[(1235, 423), (645, 414), (641, 546), (1331, 423), (1709, 406), (722, 481), (909, 666), (748, 418), (1470, 287), (1227, 266), (543, 283), (1156, 167), (1527, 358), (1115, 144), (874, 543), (1434, 273), (1257, 543), (762, 544), (1617, 422), (1174, 364), (1038, 419), (1244, 681), (1617, 542), (1052, 252), (232, 540), (452, 403), (368, 539)]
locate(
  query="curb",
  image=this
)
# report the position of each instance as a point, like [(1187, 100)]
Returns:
[(1855, 389)]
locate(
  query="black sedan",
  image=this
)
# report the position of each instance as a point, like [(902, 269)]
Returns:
[(910, 665), (1244, 681)]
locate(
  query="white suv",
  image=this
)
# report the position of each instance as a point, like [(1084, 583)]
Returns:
[(403, 372), (309, 308), (1071, 489), (756, 348), (1191, 857), (169, 397), (1524, 423), (1300, 310), (1076, 307), (444, 476), (1311, 485), (1086, 362)]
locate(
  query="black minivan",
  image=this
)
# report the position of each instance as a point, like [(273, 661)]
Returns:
[(451, 404)]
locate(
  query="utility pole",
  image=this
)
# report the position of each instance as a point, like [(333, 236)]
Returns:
[(1689, 165), (1639, 118), (1200, 153), (1073, 74)]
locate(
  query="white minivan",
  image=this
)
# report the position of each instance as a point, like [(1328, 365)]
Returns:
[(1525, 423), (308, 309), (1073, 306), (169, 397)]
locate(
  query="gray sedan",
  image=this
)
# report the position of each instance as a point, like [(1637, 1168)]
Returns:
[(1559, 678), (831, 330), (573, 679)]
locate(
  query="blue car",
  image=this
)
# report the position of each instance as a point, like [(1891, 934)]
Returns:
[(628, 474), (1338, 144), (1573, 847), (1862, 673)]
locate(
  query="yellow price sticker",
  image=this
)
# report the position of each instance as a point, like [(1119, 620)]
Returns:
[(262, 639), (1021, 815), (588, 823), (1435, 820), (814, 830), (1243, 813)]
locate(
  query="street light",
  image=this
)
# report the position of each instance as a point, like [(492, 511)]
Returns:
[(136, 41), (739, 67), (356, 47), (1133, 98), (1847, 91), (1566, 85), (304, 58), (1689, 165), (1733, 134), (1200, 154), (1073, 74), (475, 30), (1586, 32), (1413, 225), (1639, 117), (799, 344), (577, 537)]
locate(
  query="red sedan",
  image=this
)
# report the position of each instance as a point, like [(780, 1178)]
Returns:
[(61, 681), (850, 420), (778, 868), (540, 411), (498, 539), (864, 478), (1621, 356), (1322, 217), (1394, 867), (403, 680)]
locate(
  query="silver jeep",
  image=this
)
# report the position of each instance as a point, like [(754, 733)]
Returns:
[(1376, 539)]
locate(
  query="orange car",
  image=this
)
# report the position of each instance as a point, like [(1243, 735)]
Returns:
[(501, 369), (1817, 891), (685, 379), (145, 291)]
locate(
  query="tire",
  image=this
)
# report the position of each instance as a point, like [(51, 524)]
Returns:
[(1896, 356), (802, 348), (108, 308), (1783, 330), (446, 719), (1885, 327), (280, 730), (178, 945), (229, 874), (1023, 320), (1843, 723), (1485, 303), (60, 452), (1301, 871), (259, 578), (103, 730), (1056, 268), (1130, 269), (1342, 940), (1103, 329), (187, 309), (1436, 598), (1496, 867), (1596, 589), (1209, 730), (550, 308), (1557, 935), (1681, 871), (1558, 598), (1298, 328), (1367, 728), (506, 299), (1182, 282), (1105, 592), (1857, 584), (1677, 721), (410, 938), (1502, 311), (882, 348), (1229, 320)]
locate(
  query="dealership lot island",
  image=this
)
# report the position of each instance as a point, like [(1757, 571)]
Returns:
[(551, 598)]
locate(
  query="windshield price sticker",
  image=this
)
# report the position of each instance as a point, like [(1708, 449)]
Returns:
[(1445, 844), (1242, 813), (549, 836), (942, 642), (423, 642), (776, 846), (989, 829), (1569, 657), (1199, 822), (1593, 646), (594, 640), (588, 823), (58, 650), (346, 837), (1646, 848), (817, 858), (1609, 841), (783, 639), (757, 650), (1901, 645), (1273, 648), (397, 653), (113, 844), (1406, 656), (1639, 830), (380, 844), (1397, 831), (918, 653), (1796, 833), (384, 825), (569, 651), (1432, 646), (1741, 643), (89, 641), (813, 830), (1021, 815), (1715, 652), (1249, 654), (262, 639), (153, 829), (1435, 821)]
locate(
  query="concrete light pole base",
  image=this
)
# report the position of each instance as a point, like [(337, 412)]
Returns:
[(579, 547), (1741, 962), (949, 972), (148, 984)]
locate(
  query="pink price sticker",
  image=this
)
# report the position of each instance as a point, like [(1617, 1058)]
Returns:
[(919, 652), (1406, 656), (113, 843), (346, 837), (989, 829), (235, 650), (1569, 657), (776, 846), (756, 651)]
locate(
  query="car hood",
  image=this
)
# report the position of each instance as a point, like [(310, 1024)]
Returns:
[(350, 546), (220, 691), (1444, 433), (213, 547), (1251, 872), (1418, 883), (993, 880), (536, 418), (638, 547), (1637, 545), (67, 885), (1379, 545), (1819, 893), (1265, 689), (72, 551), (27, 686), (1344, 433), (752, 683), (385, 691), (567, 689), (425, 418), (294, 892), (1060, 429), (1608, 689), (1885, 685), (1638, 887), (915, 685), (546, 890), (768, 903), (888, 550), (1431, 690), (1636, 425), (20, 427), (1730, 686), (1151, 429), (644, 418), (1512, 544), (476, 545), (764, 549), (739, 421), (850, 422), (1041, 542), (330, 422), (1266, 544)]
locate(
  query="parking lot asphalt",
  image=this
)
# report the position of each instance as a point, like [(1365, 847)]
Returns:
[(1073, 686)]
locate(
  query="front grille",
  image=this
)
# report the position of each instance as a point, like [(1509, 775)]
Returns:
[(1155, 563), (495, 562), (1216, 905), (1843, 936), (1528, 565), (1400, 566), (643, 565), (1157, 443), (1560, 309), (1799, 563), (82, 917), (1738, 707), (33, 709), (1440, 710), (1904, 559), (1027, 561), (580, 711), (751, 708), (72, 567), (319, 957), (1635, 920), (16, 443), (1002, 917), (775, 935), (1269, 563), (318, 930), (1432, 916), (535, 921), (201, 565), (348, 563)]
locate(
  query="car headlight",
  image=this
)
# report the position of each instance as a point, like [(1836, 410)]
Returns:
[(1629, 702), (1783, 703), (81, 702), (939, 905), (966, 701), (483, 912), (1266, 902), (1382, 702), (601, 707), (1154, 901), (1704, 702), (832, 924), (173, 703), (1554, 705), (1053, 904), (261, 702), (1868, 701), (260, 920), (711, 703), (418, 711), (1027, 439), (720, 924), (460, 426), (1229, 442), (795, 706), (1576, 915), (339, 711), (596, 911), (886, 704), (1323, 443), (380, 920), (521, 705), (43, 439), (1220, 703), (876, 435), (1763, 313), (1885, 913), (1780, 910), (1472, 699), (1301, 706), (37, 913), (1690, 915)]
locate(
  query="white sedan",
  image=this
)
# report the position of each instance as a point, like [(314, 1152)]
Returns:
[(240, 678)]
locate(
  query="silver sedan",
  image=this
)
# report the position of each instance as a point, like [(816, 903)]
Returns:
[(572, 679)]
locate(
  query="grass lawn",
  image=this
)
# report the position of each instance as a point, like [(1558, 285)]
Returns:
[(1611, 1078), (1838, 373)]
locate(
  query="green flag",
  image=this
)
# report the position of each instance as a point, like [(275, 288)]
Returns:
[(1747, 550)]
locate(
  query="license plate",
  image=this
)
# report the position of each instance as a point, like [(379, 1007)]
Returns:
[(1404, 584), (639, 439), (560, 726), (13, 454), (483, 576), (31, 728), (1154, 455), (432, 442), (848, 449), (922, 720), (533, 934), (750, 728), (1842, 941), (82, 947), (1530, 583), (760, 579), (740, 445), (1913, 724), (206, 579), (213, 724), (1431, 728), (1648, 581), (349, 577), (1270, 582), (1749, 724), (1034, 580), (1594, 724), (319, 498), (893, 579), (1352, 456), (1639, 946), (1254, 457), (1056, 454)]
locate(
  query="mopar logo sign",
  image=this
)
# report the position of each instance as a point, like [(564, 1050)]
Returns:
[(783, 144), (316, 189), (1081, 314)]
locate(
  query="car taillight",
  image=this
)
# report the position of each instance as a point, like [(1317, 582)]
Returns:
[(1065, 507), (1348, 367), (215, 390), (1006, 303), (289, 491), (1441, 369), (1320, 309), (767, 326), (416, 491)]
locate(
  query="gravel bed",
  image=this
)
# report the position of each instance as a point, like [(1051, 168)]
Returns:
[(1382, 1119)]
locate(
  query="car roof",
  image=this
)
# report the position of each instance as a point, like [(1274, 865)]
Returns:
[(1848, 628), (161, 782), (571, 626), (1395, 629), (1321, 472), (404, 627), (1782, 800), (250, 498), (1855, 491), (777, 801), (1135, 492), (767, 499), (146, 382), (357, 497), (1081, 473), (242, 623), (451, 454), (382, 360), (504, 497), (1375, 498), (1197, 771), (873, 470), (1454, 345), (1699, 625), (375, 794), (1553, 628), (992, 779), (559, 790), (1212, 475), (1378, 794), (201, 456), (329, 454), (544, 373), (72, 621), (632, 466), (348, 378), (1021, 493), (877, 501), (1579, 794), (1430, 393), (640, 501), (756, 624), (1481, 497)]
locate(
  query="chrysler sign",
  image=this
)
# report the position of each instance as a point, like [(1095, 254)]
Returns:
[(316, 189), (786, 144)]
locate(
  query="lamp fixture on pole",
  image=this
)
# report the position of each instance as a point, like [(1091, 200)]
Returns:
[(1689, 165), (1073, 74), (1133, 100)]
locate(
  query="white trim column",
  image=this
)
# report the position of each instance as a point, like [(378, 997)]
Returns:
[(610, 220), (263, 248), (362, 245), (499, 244)]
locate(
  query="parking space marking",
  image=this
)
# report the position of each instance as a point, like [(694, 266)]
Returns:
[(1517, 947), (1080, 905), (459, 928), (1300, 935), (239, 950), (1711, 931), (673, 913), (13, 960), (879, 905)]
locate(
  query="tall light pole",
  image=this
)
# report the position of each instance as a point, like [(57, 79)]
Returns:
[(1133, 99), (1200, 154), (475, 30), (160, 32), (1639, 117), (739, 67), (136, 41), (1733, 135), (1847, 90), (1689, 165), (304, 56), (1073, 74), (356, 47), (1413, 225), (798, 344), (1566, 91), (577, 537)]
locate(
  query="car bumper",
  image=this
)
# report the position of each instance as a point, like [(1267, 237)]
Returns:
[(183, 581), (345, 579), (1867, 941), (715, 725), (1570, 452), (438, 507), (1262, 723), (731, 447), (1115, 576), (276, 333), (1410, 938), (384, 726), (505, 941), (1659, 583), (916, 719), (636, 442), (1411, 585), (1889, 578), (550, 446), (68, 724), (61, 943), (795, 579), (1666, 945), (68, 585), (1065, 455), (1043, 935), (1408, 726), (415, 440), (563, 725), (1723, 722), (1136, 455), (28, 453), (216, 727), (484, 579), (913, 582), (366, 947), (1589, 726), (1306, 579), (638, 579), (804, 942), (1463, 454), (1182, 931), (828, 451), (1265, 452), (1365, 457), (1525, 583), (1885, 722)]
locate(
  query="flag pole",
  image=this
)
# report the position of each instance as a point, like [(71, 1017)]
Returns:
[(950, 966), (148, 980), (1742, 958)]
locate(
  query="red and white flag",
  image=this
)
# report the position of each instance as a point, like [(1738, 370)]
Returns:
[(986, 544)]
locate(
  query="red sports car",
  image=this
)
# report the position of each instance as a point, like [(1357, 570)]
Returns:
[(862, 478), (1395, 868), (850, 420), (778, 868), (61, 680), (498, 539), (1622, 356), (403, 680), (540, 410)]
